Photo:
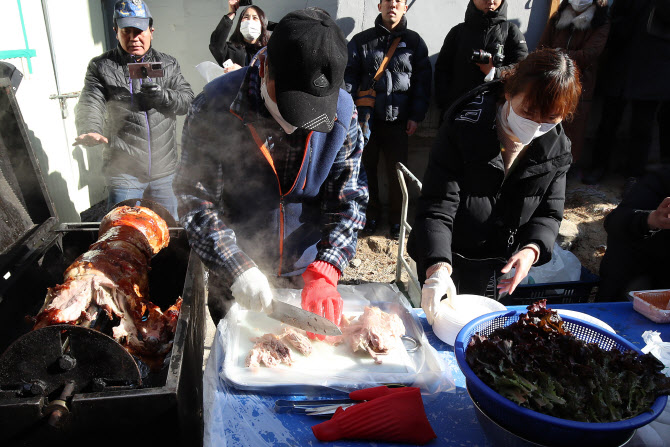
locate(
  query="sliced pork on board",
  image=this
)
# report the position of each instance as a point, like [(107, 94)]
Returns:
[(374, 332), (113, 277)]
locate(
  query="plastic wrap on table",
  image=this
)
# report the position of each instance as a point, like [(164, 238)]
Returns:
[(331, 367)]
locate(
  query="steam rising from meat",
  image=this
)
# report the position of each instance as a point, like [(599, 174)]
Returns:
[(112, 277)]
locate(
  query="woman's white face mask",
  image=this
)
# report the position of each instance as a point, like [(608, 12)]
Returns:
[(580, 5), (250, 29), (274, 109), (524, 129)]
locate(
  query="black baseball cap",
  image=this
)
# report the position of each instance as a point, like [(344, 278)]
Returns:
[(308, 54)]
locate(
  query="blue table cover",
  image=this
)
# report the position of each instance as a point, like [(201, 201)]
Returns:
[(243, 418)]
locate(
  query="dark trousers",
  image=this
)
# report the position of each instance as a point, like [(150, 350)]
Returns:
[(663, 119), (641, 132), (634, 265), (390, 139), (473, 276)]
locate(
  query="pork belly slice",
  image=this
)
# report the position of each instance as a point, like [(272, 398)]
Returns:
[(375, 332), (298, 340), (270, 351)]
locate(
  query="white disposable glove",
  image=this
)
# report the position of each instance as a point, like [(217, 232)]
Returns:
[(252, 290), (435, 287)]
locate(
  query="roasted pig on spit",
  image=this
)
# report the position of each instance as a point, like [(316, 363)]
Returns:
[(375, 332), (113, 277)]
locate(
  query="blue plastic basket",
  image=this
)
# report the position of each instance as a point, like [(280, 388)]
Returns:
[(538, 427)]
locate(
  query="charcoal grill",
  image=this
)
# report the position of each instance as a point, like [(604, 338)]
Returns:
[(70, 384)]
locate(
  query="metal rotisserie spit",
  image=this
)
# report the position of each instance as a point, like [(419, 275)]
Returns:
[(75, 383)]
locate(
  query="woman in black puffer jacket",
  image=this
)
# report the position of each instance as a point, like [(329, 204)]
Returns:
[(494, 188), (250, 35)]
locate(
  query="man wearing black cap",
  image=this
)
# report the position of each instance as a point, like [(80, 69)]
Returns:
[(134, 118), (269, 180), (402, 98)]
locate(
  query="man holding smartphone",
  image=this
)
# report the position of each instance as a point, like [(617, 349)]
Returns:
[(132, 111)]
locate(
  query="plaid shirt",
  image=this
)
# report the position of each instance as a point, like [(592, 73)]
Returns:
[(343, 195)]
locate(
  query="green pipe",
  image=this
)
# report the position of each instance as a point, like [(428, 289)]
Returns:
[(25, 36)]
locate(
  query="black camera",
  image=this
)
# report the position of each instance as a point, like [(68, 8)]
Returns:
[(483, 57), (143, 70), (245, 3)]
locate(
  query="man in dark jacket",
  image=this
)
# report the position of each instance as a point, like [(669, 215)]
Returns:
[(485, 28), (269, 181), (134, 118), (402, 97), (638, 240)]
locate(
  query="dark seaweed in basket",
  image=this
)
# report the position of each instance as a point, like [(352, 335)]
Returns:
[(536, 363)]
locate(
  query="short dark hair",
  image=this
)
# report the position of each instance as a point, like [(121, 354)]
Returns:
[(237, 37), (116, 26), (550, 81)]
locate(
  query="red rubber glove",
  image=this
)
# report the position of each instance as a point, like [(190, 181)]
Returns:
[(320, 295), (397, 415)]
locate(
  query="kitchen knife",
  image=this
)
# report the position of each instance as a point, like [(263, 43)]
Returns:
[(302, 319)]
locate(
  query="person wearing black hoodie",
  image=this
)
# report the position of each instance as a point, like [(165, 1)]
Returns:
[(485, 27)]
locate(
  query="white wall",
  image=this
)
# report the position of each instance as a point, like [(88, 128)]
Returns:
[(66, 169)]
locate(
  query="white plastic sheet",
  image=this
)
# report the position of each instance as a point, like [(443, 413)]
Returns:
[(564, 266), (209, 70)]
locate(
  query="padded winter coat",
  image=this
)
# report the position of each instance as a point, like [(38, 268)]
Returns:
[(467, 206), (222, 49), (142, 140), (455, 73), (403, 91)]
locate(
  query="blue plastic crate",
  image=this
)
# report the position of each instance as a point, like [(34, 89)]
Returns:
[(555, 293)]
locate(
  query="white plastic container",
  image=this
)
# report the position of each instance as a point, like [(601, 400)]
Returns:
[(451, 317)]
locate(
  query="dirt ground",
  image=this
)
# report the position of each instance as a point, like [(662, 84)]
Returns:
[(586, 206)]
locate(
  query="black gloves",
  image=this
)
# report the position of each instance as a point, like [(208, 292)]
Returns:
[(153, 96)]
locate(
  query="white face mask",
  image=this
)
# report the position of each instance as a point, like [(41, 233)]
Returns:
[(250, 29), (274, 110), (580, 5), (524, 129)]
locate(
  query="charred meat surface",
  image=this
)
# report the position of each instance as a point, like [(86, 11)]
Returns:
[(375, 332), (113, 276)]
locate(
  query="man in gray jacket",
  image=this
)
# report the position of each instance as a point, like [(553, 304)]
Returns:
[(134, 118)]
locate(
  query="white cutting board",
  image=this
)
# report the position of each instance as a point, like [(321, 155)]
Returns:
[(327, 365)]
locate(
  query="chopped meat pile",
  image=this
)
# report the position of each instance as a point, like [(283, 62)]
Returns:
[(271, 350), (375, 332), (112, 277)]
